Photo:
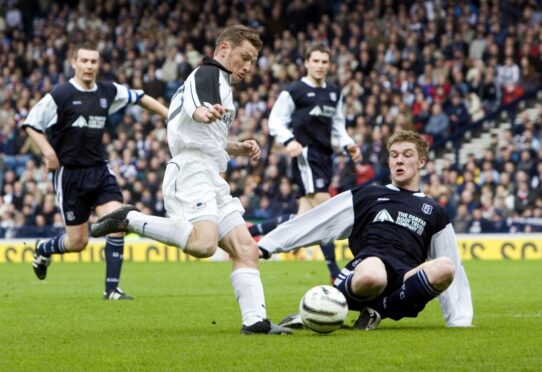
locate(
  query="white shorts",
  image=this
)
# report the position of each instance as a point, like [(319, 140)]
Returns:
[(195, 191)]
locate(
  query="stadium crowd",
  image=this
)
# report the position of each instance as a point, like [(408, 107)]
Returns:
[(430, 66)]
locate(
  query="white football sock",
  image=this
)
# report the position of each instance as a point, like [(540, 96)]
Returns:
[(248, 289), (166, 230)]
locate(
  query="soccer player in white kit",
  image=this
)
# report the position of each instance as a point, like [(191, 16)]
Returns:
[(202, 213)]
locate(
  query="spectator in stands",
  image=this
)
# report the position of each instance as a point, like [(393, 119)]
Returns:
[(462, 219), (479, 224), (438, 124), (457, 112), (491, 93)]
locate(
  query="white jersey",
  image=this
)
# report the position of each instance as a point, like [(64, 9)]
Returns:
[(210, 83)]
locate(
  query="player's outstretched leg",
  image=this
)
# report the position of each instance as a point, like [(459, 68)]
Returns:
[(112, 222)]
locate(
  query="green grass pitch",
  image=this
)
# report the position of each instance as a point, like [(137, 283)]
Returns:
[(185, 317)]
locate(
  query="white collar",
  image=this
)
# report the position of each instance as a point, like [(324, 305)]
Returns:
[(395, 188), (307, 81), (81, 88)]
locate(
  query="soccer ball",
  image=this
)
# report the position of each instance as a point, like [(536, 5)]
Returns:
[(323, 309)]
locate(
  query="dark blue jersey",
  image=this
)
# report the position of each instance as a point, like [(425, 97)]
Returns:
[(397, 225), (394, 222), (74, 120), (310, 115)]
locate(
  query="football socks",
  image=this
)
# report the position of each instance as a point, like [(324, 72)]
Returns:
[(344, 284), (329, 254), (52, 246), (409, 299), (114, 249), (166, 230), (248, 290)]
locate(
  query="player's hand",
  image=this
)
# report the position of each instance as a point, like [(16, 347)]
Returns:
[(252, 149), (294, 149), (209, 113), (354, 152), (51, 161)]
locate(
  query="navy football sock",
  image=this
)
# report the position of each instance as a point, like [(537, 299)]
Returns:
[(114, 249), (329, 254), (344, 284), (52, 246), (266, 226), (408, 300)]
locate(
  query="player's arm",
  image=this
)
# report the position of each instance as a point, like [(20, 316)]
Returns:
[(126, 96), (40, 117), (330, 220), (248, 148), (456, 301), (202, 100), (153, 105), (339, 131), (49, 154), (279, 118)]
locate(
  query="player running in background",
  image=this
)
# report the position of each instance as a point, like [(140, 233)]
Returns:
[(404, 246), (68, 125), (202, 213), (304, 118)]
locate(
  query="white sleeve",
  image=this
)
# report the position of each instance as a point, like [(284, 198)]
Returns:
[(325, 223), (456, 301), (43, 114), (124, 97), (190, 98), (339, 127), (281, 116)]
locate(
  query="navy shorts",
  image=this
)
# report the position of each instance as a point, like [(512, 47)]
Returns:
[(79, 190), (395, 271), (312, 171)]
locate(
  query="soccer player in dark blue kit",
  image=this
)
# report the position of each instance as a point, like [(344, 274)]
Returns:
[(304, 119), (68, 125), (404, 246)]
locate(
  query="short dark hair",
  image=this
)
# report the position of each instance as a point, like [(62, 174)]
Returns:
[(410, 137), (236, 34), (317, 48), (87, 45)]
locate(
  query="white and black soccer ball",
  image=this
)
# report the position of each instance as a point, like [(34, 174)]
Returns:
[(323, 309)]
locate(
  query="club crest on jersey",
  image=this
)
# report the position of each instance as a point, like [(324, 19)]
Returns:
[(426, 208), (103, 102), (70, 216), (333, 96)]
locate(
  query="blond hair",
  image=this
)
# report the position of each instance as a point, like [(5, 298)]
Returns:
[(410, 137)]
